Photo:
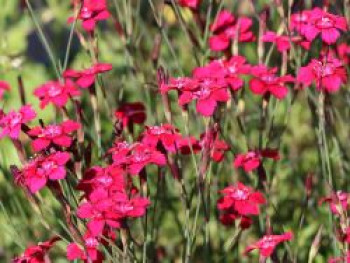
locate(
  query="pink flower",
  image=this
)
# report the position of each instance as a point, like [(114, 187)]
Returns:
[(58, 135), (227, 28), (87, 77), (252, 160), (110, 178), (89, 253), (165, 134), (343, 51), (338, 202), (102, 209), (10, 123), (91, 12), (226, 70), (193, 4), (327, 25), (38, 253), (268, 243), (56, 93), (38, 171), (241, 199), (283, 43), (327, 75), (131, 113), (4, 86), (143, 155), (266, 82)]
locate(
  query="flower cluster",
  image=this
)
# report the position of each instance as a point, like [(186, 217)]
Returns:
[(209, 84)]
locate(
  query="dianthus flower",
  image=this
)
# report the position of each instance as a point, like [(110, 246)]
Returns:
[(252, 159), (327, 74), (343, 51), (91, 12), (59, 135), (227, 28), (283, 43), (193, 4), (85, 78), (89, 253), (266, 82), (165, 134), (326, 24), (4, 86), (131, 113), (142, 155), (56, 93), (241, 199), (268, 243), (102, 209), (10, 123), (338, 202), (227, 70), (39, 170), (110, 178), (38, 253)]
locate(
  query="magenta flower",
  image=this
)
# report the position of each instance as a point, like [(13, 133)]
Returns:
[(58, 135), (252, 160), (268, 243), (56, 93), (343, 51), (227, 28), (165, 134), (38, 171), (241, 199), (102, 209), (338, 202), (91, 12), (38, 253), (283, 43), (131, 113), (89, 253), (4, 86), (85, 78), (327, 75), (226, 70), (193, 4), (327, 25), (265, 82), (99, 210), (10, 123), (110, 178), (143, 155)]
